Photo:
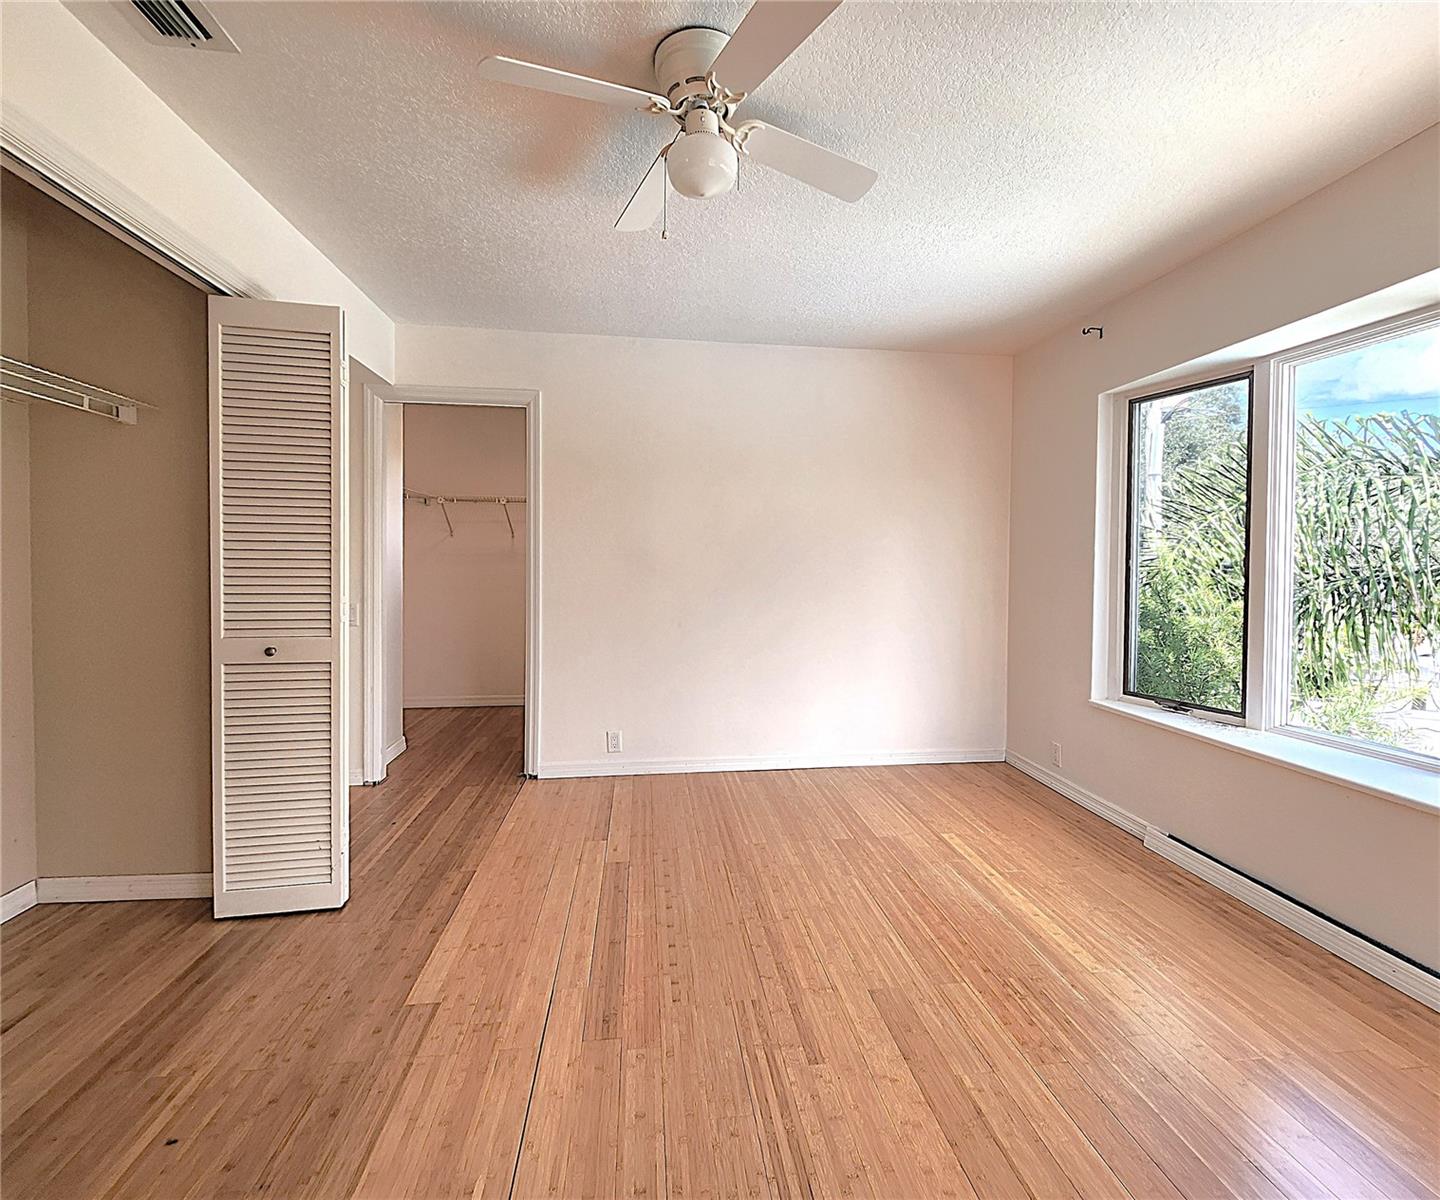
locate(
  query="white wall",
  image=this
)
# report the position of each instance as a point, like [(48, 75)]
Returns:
[(464, 591), (758, 554), (1365, 861), (70, 102)]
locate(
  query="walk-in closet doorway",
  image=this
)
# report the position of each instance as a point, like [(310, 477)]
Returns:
[(468, 524)]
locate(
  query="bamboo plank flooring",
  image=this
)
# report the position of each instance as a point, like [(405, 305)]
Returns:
[(931, 981)]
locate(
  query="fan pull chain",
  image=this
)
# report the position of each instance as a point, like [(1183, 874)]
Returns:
[(665, 207)]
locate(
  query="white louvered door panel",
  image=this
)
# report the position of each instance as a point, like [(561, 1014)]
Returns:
[(277, 513)]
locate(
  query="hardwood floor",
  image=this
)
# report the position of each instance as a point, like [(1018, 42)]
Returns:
[(931, 981)]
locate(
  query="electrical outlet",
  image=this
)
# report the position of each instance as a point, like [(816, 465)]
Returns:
[(612, 742), (1055, 754)]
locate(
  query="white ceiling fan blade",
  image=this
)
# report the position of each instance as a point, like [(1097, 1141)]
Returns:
[(647, 202), (807, 162), (769, 34), (564, 83)]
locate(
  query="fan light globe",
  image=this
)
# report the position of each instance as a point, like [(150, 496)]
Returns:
[(702, 163)]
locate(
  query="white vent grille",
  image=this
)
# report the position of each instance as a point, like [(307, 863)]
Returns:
[(276, 483), (179, 23), (278, 756)]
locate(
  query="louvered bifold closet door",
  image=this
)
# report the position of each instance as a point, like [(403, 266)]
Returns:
[(277, 449)]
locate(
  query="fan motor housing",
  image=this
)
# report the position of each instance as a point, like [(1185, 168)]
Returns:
[(683, 58)]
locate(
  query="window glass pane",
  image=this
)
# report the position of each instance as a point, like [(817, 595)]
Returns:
[(1367, 543), (1189, 517)]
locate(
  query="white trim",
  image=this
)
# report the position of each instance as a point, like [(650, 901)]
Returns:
[(356, 778), (1113, 813), (1384, 965), (465, 702), (50, 165), (761, 762), (372, 629), (18, 900), (394, 750), (1404, 783), (1359, 952), (373, 599), (495, 397), (87, 889)]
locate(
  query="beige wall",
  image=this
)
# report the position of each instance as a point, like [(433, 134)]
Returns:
[(758, 554), (119, 559), (17, 681), (1367, 862), (464, 595)]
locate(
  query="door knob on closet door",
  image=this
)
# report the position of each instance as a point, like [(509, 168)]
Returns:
[(270, 651)]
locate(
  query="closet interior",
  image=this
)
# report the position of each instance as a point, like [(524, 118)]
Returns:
[(465, 513), (104, 657)]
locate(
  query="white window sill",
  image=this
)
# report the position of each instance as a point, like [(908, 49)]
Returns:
[(1414, 786)]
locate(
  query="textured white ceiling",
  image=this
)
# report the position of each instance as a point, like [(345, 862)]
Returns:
[(1035, 160)]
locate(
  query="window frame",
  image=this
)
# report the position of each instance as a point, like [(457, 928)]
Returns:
[(1128, 649), (1283, 368), (1270, 525)]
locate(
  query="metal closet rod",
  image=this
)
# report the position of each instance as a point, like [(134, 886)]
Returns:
[(25, 381), (503, 501), (426, 497)]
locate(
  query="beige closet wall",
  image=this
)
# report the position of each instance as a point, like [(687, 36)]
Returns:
[(464, 614), (119, 546), (17, 681)]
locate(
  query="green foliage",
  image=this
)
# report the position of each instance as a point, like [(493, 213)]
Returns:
[(1353, 709), (1366, 585), (1191, 550), (1188, 642), (1367, 548)]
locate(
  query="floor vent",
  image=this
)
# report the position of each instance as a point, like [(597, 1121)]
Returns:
[(180, 23)]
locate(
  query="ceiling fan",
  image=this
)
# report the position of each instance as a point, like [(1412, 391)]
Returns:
[(705, 74)]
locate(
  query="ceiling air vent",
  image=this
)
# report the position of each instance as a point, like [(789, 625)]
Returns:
[(180, 23)]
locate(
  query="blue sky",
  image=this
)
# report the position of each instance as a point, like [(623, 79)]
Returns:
[(1396, 375)]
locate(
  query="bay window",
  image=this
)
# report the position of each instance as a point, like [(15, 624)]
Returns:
[(1274, 533)]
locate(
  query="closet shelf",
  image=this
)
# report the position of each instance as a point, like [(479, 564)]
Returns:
[(20, 381)]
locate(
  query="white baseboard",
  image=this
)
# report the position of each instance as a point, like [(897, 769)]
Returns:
[(355, 778), (17, 900), (759, 762), (87, 889), (464, 702), (1383, 964), (394, 750), (1113, 813)]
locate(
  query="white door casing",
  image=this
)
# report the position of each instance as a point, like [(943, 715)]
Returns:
[(278, 647)]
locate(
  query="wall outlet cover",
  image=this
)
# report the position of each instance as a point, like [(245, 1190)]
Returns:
[(613, 743)]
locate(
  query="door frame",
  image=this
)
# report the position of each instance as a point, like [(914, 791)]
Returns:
[(373, 540)]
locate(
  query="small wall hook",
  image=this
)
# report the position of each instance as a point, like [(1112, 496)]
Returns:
[(1089, 329)]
